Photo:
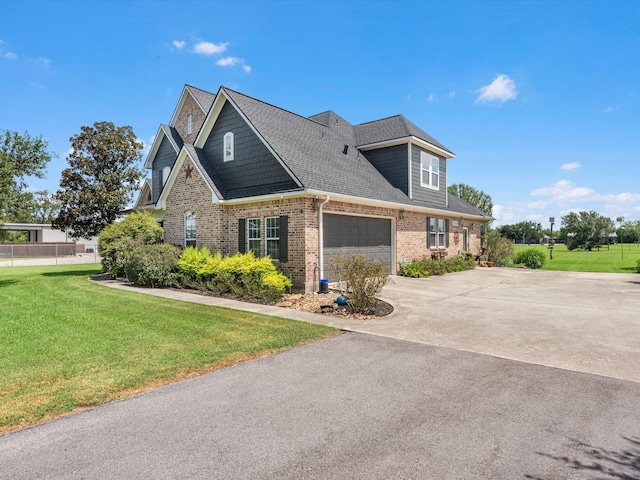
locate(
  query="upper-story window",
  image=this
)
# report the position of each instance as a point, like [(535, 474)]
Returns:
[(189, 124), (228, 146), (429, 170), (165, 175)]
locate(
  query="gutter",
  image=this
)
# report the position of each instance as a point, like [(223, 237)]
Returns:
[(321, 238)]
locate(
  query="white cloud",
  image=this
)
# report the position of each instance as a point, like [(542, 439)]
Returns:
[(610, 109), (571, 166), (179, 44), (537, 204), (501, 89), (564, 192), (431, 97), (451, 94), (232, 61), (10, 55), (45, 62), (208, 48)]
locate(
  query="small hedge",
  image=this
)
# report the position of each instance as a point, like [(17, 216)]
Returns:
[(530, 258), (153, 265), (426, 266), (364, 279), (242, 274)]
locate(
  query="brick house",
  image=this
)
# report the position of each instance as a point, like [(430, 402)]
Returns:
[(235, 174)]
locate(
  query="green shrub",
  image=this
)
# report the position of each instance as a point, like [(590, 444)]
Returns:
[(530, 258), (153, 265), (413, 270), (499, 249), (138, 228), (638, 265), (364, 277), (242, 274)]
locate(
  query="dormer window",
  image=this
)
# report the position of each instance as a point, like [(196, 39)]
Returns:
[(189, 124), (429, 170), (228, 146)]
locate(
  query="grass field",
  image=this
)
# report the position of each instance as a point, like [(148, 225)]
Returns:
[(67, 344), (607, 260)]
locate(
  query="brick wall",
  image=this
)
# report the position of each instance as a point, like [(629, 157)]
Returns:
[(189, 107)]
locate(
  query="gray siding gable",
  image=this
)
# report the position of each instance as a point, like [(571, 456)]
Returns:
[(425, 194), (165, 157), (392, 163), (254, 170)]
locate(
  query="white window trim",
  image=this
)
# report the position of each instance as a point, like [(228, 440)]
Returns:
[(250, 239), (188, 239), (429, 159), (228, 137), (433, 234), (442, 234), (267, 238)]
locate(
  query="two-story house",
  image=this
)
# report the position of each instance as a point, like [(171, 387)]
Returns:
[(235, 174)]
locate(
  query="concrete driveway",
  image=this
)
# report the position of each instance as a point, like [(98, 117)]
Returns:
[(586, 322)]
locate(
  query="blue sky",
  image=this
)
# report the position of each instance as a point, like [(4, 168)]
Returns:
[(540, 101)]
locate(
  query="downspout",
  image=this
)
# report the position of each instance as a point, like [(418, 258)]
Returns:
[(320, 239)]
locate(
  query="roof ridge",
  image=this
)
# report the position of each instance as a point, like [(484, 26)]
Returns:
[(273, 106), (379, 119)]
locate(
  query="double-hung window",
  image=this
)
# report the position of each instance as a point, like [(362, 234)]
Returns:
[(437, 232), (228, 146), (429, 170), (272, 237), (190, 229), (441, 233), (431, 231), (253, 231)]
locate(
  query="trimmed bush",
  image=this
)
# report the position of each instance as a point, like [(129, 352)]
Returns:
[(499, 249), (427, 266), (365, 279), (530, 258), (116, 240), (153, 265), (413, 270), (242, 274)]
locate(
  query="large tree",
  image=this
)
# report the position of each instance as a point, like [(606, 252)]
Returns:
[(44, 207), (101, 178), (586, 229), (21, 156), (479, 199), (525, 231)]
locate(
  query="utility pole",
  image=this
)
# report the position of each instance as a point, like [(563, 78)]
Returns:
[(620, 220)]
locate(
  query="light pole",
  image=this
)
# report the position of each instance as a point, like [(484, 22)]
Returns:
[(551, 221), (620, 220)]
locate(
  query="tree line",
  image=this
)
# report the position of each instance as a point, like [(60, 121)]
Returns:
[(97, 186)]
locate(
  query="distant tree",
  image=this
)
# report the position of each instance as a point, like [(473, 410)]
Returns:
[(44, 207), (524, 232), (586, 230), (101, 178), (479, 199), (629, 232), (21, 156)]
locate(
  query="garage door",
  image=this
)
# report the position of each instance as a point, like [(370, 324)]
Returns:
[(347, 235)]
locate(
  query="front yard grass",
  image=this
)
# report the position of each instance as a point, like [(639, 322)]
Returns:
[(607, 260), (68, 344)]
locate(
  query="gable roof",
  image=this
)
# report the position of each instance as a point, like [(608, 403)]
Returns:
[(203, 98), (171, 135), (393, 128)]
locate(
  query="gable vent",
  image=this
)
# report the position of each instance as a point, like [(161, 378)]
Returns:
[(321, 135), (345, 149)]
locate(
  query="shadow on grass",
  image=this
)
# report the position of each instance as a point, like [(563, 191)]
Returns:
[(71, 273), (6, 283), (598, 463)]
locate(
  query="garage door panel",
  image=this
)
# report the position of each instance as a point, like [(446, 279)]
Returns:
[(346, 235)]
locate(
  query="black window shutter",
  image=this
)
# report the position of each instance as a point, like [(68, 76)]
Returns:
[(428, 236), (446, 232), (242, 235), (284, 238)]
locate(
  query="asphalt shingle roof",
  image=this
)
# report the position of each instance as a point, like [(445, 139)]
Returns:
[(173, 136), (204, 98), (312, 148)]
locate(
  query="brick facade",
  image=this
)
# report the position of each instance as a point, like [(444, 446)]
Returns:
[(217, 226), (189, 107)]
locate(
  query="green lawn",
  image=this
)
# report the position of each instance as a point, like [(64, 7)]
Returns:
[(67, 343), (607, 260)]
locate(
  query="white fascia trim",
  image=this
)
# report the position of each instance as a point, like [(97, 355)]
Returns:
[(210, 120), (183, 96), (395, 206), (410, 139), (266, 198), (148, 163), (195, 99), (145, 187), (262, 139), (175, 170)]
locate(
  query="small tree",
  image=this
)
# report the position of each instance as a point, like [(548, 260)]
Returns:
[(118, 239), (586, 230), (101, 178), (499, 249), (479, 199), (364, 277)]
